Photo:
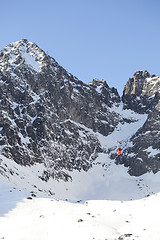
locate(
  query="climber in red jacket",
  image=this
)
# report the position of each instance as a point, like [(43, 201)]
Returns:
[(118, 150)]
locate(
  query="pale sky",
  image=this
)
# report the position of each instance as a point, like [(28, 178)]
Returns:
[(106, 39)]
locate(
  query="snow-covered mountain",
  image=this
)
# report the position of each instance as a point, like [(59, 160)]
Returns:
[(58, 135)]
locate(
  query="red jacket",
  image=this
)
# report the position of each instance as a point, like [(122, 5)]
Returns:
[(118, 151)]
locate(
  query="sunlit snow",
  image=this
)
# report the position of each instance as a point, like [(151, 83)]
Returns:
[(30, 61), (47, 219)]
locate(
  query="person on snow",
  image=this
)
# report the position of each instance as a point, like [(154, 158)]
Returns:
[(118, 150)]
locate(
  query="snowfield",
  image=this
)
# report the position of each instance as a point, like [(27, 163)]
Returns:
[(34, 218)]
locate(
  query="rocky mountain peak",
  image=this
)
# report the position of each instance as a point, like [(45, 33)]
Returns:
[(21, 55), (142, 92), (108, 95), (140, 75), (99, 83), (135, 84), (46, 112)]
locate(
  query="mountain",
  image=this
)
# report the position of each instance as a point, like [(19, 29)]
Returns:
[(41, 104), (142, 95), (57, 132)]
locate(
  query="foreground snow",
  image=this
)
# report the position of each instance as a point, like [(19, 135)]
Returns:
[(45, 219)]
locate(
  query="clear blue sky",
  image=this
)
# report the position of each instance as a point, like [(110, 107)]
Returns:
[(107, 39)]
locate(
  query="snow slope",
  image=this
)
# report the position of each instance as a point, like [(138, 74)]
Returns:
[(46, 219)]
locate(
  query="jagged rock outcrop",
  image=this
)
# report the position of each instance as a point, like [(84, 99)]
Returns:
[(142, 94), (107, 95)]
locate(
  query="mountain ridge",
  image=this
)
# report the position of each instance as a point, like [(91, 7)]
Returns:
[(50, 117)]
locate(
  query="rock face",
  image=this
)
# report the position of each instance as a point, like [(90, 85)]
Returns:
[(43, 109), (49, 116), (142, 94)]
